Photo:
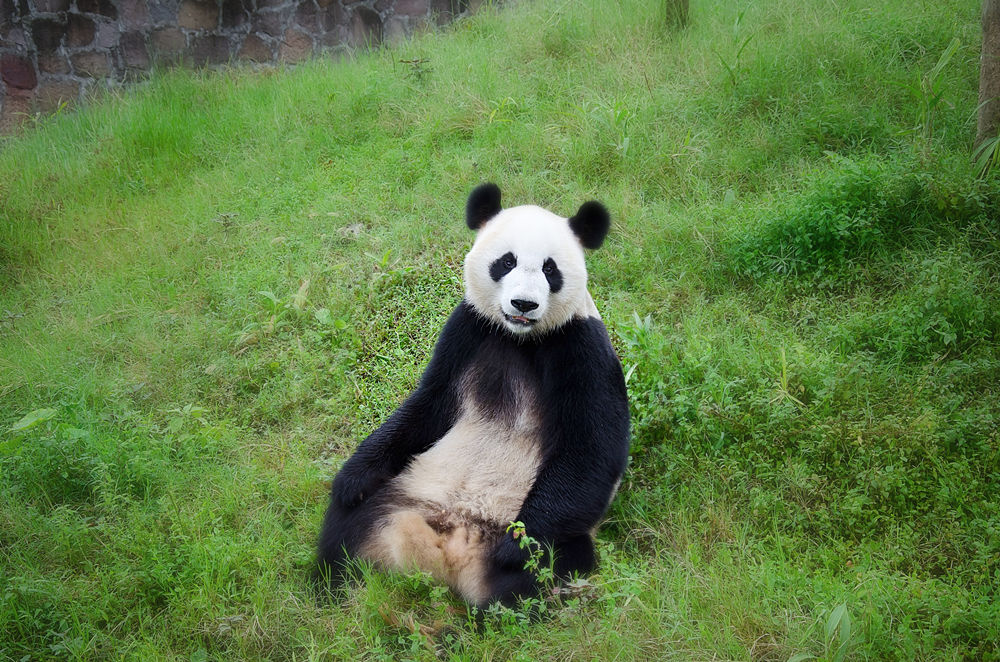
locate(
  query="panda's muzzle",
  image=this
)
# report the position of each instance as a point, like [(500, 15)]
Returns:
[(520, 320), (523, 306)]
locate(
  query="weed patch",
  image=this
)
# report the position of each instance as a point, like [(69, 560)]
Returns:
[(856, 216), (943, 310)]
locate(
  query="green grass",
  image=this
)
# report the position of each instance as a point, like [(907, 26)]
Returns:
[(213, 286)]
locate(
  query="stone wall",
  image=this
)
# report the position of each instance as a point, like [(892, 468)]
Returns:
[(59, 51)]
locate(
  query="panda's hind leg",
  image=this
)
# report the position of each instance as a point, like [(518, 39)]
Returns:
[(407, 542), (343, 534), (452, 554), (465, 559)]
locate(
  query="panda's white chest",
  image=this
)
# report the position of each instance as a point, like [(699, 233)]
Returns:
[(483, 468)]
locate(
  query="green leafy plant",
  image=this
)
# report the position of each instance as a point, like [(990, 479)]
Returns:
[(836, 637), (503, 111), (784, 390), (853, 215), (637, 336), (190, 415), (540, 561), (942, 310), (418, 68), (844, 217), (930, 92), (987, 156), (33, 418), (733, 65)]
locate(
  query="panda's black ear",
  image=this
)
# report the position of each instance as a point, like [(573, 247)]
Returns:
[(591, 224), (483, 204)]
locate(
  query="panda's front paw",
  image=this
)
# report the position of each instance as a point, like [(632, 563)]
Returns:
[(354, 484), (509, 554), (509, 585)]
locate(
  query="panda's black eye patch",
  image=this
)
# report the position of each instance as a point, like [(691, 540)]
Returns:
[(502, 266), (553, 275)]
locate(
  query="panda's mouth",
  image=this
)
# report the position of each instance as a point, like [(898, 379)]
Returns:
[(520, 320)]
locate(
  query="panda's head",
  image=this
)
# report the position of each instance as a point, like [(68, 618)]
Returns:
[(526, 270)]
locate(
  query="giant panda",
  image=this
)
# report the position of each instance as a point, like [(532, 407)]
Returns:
[(521, 415)]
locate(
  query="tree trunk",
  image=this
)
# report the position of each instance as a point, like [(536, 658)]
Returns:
[(989, 74)]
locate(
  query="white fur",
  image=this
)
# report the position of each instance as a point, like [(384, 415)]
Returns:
[(480, 468), (532, 234)]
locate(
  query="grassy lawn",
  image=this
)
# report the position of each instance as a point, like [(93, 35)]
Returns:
[(214, 285)]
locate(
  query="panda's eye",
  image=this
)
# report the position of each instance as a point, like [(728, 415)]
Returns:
[(553, 275), (502, 266)]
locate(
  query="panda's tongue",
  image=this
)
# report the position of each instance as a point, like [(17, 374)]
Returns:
[(520, 318)]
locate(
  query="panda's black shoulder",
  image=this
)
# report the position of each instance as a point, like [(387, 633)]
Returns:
[(585, 402), (580, 345)]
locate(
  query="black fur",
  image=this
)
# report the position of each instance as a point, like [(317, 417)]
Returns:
[(553, 275), (502, 266), (585, 437), (482, 205), (591, 224)]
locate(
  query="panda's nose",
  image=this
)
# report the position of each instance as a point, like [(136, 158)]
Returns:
[(522, 305)]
